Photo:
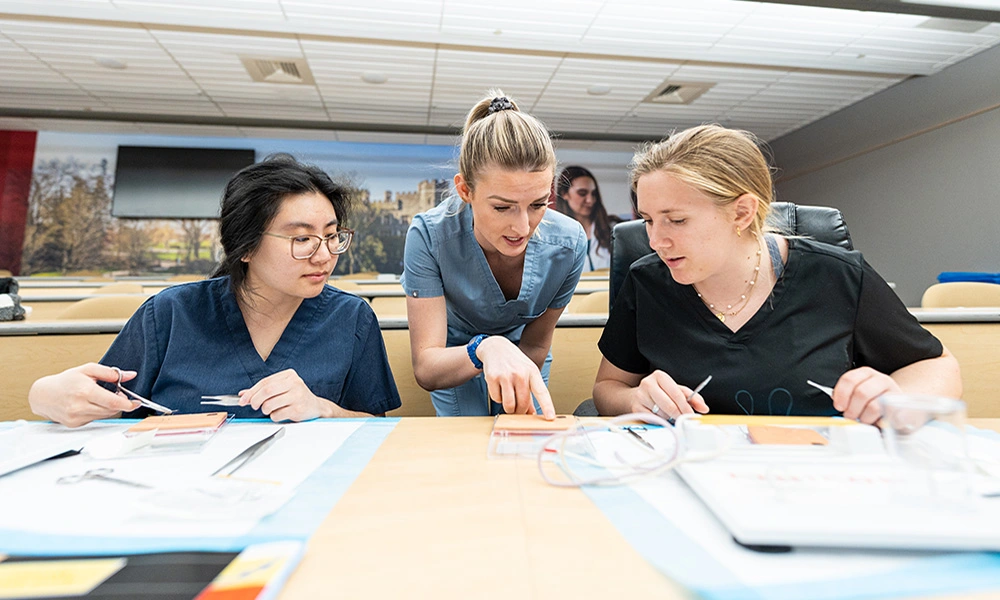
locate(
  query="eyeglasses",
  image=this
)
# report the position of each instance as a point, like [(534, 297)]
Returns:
[(305, 245)]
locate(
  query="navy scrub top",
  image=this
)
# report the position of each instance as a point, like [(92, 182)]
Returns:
[(190, 340)]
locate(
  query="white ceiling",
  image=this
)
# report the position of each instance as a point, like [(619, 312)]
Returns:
[(775, 67)]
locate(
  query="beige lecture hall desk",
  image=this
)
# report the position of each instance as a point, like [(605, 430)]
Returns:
[(431, 517)]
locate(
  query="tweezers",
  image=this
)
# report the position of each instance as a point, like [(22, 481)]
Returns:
[(244, 458), (223, 400), (823, 388), (144, 402)]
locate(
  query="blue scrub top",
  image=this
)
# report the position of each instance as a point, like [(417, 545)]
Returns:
[(190, 340), (442, 257)]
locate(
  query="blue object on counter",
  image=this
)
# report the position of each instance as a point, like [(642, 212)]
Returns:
[(949, 276)]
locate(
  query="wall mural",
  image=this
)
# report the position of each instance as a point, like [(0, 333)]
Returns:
[(71, 230)]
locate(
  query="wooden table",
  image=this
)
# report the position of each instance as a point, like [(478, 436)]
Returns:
[(431, 517)]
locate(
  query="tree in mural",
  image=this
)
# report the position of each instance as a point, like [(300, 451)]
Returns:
[(70, 228), (378, 237), (130, 246), (362, 253), (195, 232), (68, 217)]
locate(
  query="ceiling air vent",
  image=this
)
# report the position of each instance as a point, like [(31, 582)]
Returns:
[(278, 70), (676, 92)]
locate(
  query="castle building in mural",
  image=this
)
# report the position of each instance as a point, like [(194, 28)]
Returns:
[(429, 193)]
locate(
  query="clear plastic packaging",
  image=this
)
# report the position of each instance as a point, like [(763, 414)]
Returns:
[(523, 435), (177, 433)]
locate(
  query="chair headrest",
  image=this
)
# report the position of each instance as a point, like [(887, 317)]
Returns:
[(629, 241)]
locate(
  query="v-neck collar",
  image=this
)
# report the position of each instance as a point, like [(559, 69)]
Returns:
[(759, 320), (527, 279), (284, 350)]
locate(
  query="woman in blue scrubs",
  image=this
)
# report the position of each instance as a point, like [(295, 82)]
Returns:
[(487, 273), (266, 327)]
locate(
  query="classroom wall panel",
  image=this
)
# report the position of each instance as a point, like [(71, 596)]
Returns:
[(915, 171), (17, 153)]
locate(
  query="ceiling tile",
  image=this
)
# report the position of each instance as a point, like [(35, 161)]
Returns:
[(774, 67)]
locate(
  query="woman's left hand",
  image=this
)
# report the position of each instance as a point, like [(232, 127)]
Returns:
[(857, 390), (285, 397)]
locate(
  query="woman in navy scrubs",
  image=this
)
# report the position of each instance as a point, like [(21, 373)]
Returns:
[(266, 327)]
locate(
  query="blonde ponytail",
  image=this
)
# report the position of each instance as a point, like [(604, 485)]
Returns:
[(498, 134)]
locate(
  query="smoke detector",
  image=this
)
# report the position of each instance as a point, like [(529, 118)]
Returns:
[(278, 70), (374, 77), (109, 62)]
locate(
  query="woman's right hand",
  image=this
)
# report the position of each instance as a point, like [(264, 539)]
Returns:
[(673, 400), (512, 377), (74, 398)]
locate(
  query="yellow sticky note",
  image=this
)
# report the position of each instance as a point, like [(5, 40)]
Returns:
[(252, 571), (43, 578)]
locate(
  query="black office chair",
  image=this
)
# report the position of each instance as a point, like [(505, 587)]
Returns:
[(629, 241)]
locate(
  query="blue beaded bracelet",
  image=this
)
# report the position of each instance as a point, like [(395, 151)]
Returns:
[(471, 349)]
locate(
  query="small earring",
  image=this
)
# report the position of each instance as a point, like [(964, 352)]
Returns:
[(738, 232)]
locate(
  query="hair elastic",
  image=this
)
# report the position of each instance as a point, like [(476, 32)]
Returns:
[(500, 103)]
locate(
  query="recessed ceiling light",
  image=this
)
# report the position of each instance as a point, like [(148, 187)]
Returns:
[(375, 77), (109, 63), (599, 90)]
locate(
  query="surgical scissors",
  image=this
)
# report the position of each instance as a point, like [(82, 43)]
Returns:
[(102, 474), (147, 403)]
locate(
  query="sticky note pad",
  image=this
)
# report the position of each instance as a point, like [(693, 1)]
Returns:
[(47, 578), (786, 436)]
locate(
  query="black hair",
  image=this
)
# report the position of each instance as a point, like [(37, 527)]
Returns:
[(253, 198)]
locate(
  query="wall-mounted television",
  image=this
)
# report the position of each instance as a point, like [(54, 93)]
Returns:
[(174, 183)]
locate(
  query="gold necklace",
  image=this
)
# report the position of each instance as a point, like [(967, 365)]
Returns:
[(744, 297)]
